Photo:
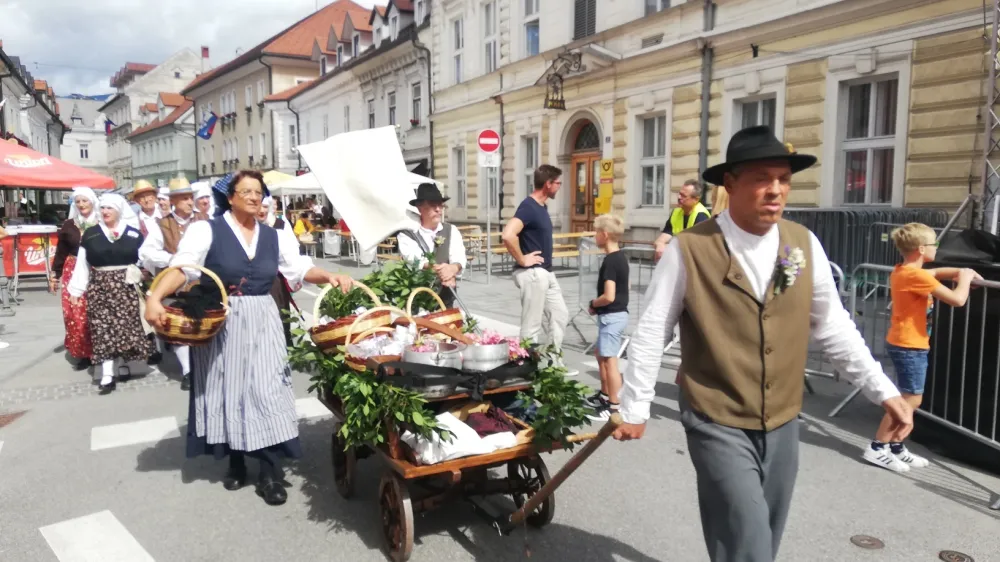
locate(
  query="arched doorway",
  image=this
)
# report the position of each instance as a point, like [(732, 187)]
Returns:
[(584, 175)]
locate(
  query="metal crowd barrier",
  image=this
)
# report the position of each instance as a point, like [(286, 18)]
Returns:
[(959, 336), (641, 265)]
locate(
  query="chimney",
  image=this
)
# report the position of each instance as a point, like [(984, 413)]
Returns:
[(205, 64)]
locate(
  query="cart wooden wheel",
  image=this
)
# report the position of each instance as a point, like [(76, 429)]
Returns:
[(531, 474), (397, 517), (344, 463)]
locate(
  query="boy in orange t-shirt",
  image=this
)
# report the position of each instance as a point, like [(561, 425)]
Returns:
[(913, 289)]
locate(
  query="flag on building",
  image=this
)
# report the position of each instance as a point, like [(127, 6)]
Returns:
[(208, 127), (107, 126)]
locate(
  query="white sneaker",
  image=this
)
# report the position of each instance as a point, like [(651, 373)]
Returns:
[(884, 458), (915, 461), (601, 414)]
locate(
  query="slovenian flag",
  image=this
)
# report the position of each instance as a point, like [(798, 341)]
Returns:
[(208, 127), (107, 126)]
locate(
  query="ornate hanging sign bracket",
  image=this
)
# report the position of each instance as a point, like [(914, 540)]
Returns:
[(563, 65)]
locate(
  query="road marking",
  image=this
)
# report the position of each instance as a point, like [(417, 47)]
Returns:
[(94, 538), (133, 433), (310, 408)]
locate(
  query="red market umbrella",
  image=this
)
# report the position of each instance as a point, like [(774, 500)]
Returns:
[(26, 168)]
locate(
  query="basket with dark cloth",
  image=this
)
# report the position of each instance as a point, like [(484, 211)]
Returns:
[(194, 317)]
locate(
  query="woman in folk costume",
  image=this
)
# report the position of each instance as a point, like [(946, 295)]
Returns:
[(280, 291), (83, 214), (204, 202), (161, 245), (106, 272), (162, 202), (241, 400)]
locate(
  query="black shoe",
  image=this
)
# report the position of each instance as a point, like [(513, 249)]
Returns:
[(155, 359), (186, 383), (235, 479), (108, 388), (271, 490), (83, 364)]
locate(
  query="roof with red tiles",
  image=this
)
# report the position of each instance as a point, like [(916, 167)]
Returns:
[(169, 119), (151, 107), (376, 11), (171, 99), (131, 68), (360, 24), (402, 5), (41, 86), (295, 41), (289, 93)]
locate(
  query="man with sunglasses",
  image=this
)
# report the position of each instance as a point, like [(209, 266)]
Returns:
[(434, 236), (688, 213)]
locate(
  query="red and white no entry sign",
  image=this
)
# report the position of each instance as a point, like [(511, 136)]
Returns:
[(489, 141)]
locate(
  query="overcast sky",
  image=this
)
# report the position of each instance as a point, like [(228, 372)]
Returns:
[(79, 44)]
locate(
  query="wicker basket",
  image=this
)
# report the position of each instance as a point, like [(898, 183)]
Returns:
[(181, 330), (334, 334), (446, 316), (360, 364)]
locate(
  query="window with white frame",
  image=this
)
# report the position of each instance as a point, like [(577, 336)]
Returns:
[(84, 151), (761, 111), (531, 27), (356, 45), (308, 132), (416, 111), (391, 105), (326, 127), (204, 155), (322, 66), (222, 104), (260, 91), (653, 6), (293, 139), (232, 101), (249, 148), (458, 154), (530, 144), (371, 114), (869, 141), (347, 118), (653, 170), (248, 94), (340, 55), (457, 46), (492, 194), (420, 11), (263, 144), (490, 54), (394, 27)]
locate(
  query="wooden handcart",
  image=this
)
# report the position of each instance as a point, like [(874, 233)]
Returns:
[(407, 488)]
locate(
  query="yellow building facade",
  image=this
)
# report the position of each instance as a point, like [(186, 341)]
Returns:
[(888, 94)]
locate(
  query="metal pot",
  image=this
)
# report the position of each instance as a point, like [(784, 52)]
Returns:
[(482, 358), (446, 355)]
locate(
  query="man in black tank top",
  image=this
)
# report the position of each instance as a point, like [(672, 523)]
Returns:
[(434, 236)]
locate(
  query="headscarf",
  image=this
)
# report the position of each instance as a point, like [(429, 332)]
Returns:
[(269, 203), (83, 223), (125, 214), (204, 189)]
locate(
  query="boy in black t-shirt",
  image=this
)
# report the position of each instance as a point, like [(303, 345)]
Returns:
[(611, 308)]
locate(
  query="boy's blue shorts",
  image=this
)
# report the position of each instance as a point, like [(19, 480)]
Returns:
[(610, 328), (911, 368)]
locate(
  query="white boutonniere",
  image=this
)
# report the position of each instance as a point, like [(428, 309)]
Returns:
[(438, 240), (133, 234), (788, 269)]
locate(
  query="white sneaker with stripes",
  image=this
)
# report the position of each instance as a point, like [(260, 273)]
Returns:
[(884, 458), (915, 461)]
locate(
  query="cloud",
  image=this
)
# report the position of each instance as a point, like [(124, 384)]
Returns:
[(77, 45)]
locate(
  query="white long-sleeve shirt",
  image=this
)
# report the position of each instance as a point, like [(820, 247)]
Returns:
[(152, 255), (410, 250), (194, 246), (832, 327)]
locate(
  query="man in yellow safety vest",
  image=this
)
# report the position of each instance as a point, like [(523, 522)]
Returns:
[(689, 212)]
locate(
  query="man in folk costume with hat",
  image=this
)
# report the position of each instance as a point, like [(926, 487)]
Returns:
[(434, 236), (145, 196), (748, 290), (161, 244)]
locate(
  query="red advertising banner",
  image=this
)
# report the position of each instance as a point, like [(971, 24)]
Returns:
[(30, 250)]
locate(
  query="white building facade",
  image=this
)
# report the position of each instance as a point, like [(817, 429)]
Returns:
[(85, 144), (164, 147), (137, 85)]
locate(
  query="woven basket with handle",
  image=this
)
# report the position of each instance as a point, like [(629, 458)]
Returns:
[(360, 364), (328, 337), (181, 330), (447, 316)]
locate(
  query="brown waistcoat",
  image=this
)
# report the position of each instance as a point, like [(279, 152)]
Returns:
[(173, 231), (743, 361)]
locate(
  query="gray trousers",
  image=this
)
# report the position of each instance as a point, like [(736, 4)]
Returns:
[(745, 483)]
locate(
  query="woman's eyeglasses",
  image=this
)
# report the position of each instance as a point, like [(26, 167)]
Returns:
[(248, 193)]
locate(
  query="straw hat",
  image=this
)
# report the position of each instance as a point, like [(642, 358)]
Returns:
[(142, 186), (180, 186)]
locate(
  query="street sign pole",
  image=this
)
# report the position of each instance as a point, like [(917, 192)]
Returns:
[(489, 144)]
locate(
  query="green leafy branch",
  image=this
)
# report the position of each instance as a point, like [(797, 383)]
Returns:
[(561, 401)]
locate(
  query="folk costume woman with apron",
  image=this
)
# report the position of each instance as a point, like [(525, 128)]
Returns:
[(106, 272), (241, 401), (83, 214), (280, 291)]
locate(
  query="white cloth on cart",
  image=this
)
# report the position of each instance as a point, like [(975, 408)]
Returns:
[(465, 442)]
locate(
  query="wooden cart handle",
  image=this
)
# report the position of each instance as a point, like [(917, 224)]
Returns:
[(413, 295), (206, 271), (319, 299), (435, 327), (369, 312)]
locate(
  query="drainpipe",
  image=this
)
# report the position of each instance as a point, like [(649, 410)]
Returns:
[(499, 101), (298, 133), (707, 56), (270, 86), (3, 118), (430, 99)]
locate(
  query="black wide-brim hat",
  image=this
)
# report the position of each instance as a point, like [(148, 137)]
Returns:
[(756, 144), (430, 193)]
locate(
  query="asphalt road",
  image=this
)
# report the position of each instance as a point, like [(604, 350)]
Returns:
[(104, 478)]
